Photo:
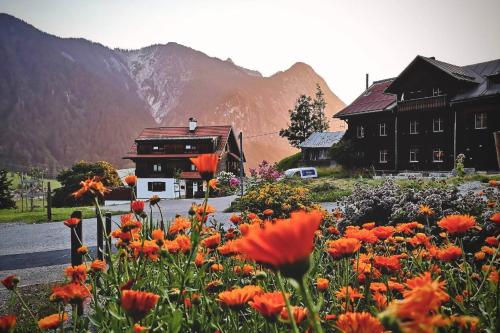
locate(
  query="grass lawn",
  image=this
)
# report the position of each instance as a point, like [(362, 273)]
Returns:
[(16, 180), (36, 297)]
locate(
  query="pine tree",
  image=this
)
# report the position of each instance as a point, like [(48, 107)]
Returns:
[(5, 193), (307, 117)]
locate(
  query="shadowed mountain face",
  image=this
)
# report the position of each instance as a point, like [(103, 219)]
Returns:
[(62, 100)]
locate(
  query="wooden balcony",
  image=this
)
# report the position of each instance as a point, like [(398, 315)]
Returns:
[(425, 103)]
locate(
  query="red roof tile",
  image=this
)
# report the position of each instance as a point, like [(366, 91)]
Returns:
[(190, 175), (371, 100)]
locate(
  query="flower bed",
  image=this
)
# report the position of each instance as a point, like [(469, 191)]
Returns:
[(283, 275)]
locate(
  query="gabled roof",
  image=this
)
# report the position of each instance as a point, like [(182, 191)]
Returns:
[(322, 139), (182, 133), (371, 100), (489, 85)]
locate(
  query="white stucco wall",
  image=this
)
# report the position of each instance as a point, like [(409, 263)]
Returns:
[(143, 193)]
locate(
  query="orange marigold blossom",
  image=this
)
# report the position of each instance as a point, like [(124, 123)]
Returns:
[(390, 263), (184, 243), (7, 323), (269, 304), (235, 219), (83, 250), (206, 165), (52, 321), (211, 242), (359, 322), (128, 223), (493, 182), (425, 210), (378, 287), (322, 284), (10, 282), (368, 225), (268, 212), (137, 304), (492, 241), (93, 185), (285, 245), (70, 292), (449, 253), (299, 314), (238, 297), (343, 247), (148, 248), (76, 273), (139, 329), (154, 200), (212, 183), (349, 292), (137, 206), (216, 268), (180, 224), (364, 235), (227, 249), (383, 232), (98, 265), (457, 224), (380, 300), (408, 228), (495, 218), (158, 235), (72, 222), (130, 180)]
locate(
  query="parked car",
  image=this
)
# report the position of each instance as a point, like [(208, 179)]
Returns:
[(304, 172)]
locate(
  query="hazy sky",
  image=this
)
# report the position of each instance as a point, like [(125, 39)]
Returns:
[(341, 40)]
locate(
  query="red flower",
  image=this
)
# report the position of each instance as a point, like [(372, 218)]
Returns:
[(268, 212), (98, 265), (137, 206), (137, 304), (10, 282), (211, 242), (383, 232), (268, 304), (236, 219), (7, 323), (457, 224), (72, 222), (76, 273), (285, 245), (299, 314), (322, 284), (495, 218), (359, 322), (449, 253), (206, 164), (52, 322), (390, 263), (343, 247), (71, 292)]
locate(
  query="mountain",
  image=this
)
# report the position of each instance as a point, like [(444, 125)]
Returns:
[(66, 99)]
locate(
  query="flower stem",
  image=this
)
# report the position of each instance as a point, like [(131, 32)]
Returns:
[(306, 296), (287, 303)]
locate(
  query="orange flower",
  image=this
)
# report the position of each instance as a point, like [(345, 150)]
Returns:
[(70, 293), (199, 209), (146, 247), (457, 224), (216, 268), (383, 232), (137, 304), (98, 265), (137, 206), (10, 282), (227, 249), (128, 223), (380, 300), (492, 241), (206, 164), (158, 235), (495, 218), (268, 304), (390, 263), (76, 273), (184, 243), (180, 224), (425, 210), (449, 253), (420, 239), (130, 180), (212, 183), (322, 284), (235, 219), (72, 222), (200, 259), (299, 314), (238, 297), (493, 182), (268, 212), (378, 287), (368, 225), (211, 242), (93, 186), (351, 293), (408, 228), (285, 245), (83, 250), (53, 321), (343, 247), (364, 235), (154, 200), (139, 329), (7, 323), (359, 322)]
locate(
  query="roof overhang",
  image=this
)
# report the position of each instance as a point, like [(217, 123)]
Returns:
[(173, 138)]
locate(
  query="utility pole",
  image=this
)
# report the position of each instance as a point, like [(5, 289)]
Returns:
[(241, 161)]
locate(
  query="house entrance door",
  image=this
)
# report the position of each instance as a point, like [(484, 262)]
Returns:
[(189, 189)]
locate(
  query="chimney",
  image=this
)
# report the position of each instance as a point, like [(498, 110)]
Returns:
[(192, 124), (367, 81)]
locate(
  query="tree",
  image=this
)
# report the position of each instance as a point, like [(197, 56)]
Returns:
[(70, 180), (6, 200), (344, 152), (307, 117)]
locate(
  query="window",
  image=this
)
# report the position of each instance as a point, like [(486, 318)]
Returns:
[(360, 132), (323, 154), (414, 125), (382, 129), (437, 155), (437, 124), (156, 148), (480, 120), (382, 156), (157, 167), (193, 167), (413, 155), (156, 186), (436, 92)]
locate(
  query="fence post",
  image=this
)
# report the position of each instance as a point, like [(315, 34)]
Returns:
[(49, 202), (100, 234), (108, 232), (76, 258)]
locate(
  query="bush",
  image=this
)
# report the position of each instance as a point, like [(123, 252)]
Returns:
[(289, 162), (280, 197), (70, 182)]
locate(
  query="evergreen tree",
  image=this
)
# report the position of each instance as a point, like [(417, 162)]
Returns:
[(5, 193), (307, 117)]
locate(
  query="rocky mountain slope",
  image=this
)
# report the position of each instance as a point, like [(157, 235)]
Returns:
[(63, 99)]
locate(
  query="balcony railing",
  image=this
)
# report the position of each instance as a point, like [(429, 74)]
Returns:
[(433, 102)]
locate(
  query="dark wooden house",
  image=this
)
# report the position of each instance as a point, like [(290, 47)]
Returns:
[(162, 158), (315, 150), (422, 119)]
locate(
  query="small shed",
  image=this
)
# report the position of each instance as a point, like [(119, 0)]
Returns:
[(316, 148)]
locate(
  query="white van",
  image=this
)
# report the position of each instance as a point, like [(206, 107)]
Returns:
[(304, 173)]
